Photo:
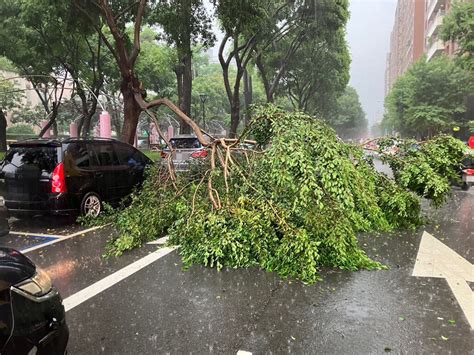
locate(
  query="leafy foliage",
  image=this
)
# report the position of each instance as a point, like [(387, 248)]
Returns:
[(292, 209), (348, 118), (428, 168), (458, 25), (429, 98), (21, 129)]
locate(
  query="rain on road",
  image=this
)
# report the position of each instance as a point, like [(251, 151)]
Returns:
[(159, 307)]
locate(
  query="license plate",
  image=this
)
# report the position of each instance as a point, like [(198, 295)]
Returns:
[(468, 178)]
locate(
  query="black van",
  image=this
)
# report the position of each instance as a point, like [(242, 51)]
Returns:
[(65, 177)]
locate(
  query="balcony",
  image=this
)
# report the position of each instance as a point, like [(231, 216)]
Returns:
[(436, 48), (435, 23), (433, 5)]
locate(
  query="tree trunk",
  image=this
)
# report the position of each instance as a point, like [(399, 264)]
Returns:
[(187, 88), (88, 118), (3, 131), (52, 119), (55, 129), (248, 95), (80, 124), (131, 110), (263, 76), (234, 119)]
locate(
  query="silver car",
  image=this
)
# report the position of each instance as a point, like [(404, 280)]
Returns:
[(186, 149)]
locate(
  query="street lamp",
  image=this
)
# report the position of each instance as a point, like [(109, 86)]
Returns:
[(203, 98)]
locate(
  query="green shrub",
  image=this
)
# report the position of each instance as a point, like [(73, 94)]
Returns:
[(21, 128)]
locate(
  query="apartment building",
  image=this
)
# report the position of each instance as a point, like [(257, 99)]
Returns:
[(407, 40), (29, 97), (416, 32), (434, 46)]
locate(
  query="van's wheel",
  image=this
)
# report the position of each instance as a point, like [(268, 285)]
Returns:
[(91, 204), (465, 186)]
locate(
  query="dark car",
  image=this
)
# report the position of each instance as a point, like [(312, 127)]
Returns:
[(70, 176), (4, 226), (32, 316)]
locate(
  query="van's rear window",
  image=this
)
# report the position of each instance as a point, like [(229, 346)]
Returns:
[(185, 143), (44, 158)]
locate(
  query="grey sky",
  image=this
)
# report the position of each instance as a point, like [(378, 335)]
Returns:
[(368, 34)]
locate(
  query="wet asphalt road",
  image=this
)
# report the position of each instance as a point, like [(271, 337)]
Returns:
[(165, 309)]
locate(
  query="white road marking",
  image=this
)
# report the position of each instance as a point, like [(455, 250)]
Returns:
[(243, 352), (35, 247), (161, 240), (32, 234), (101, 285), (435, 259)]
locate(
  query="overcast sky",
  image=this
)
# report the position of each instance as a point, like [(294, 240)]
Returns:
[(368, 34)]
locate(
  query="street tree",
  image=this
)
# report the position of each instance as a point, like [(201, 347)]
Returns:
[(314, 80), (304, 21), (110, 20), (244, 24), (348, 117), (458, 25), (155, 65), (185, 24), (63, 47), (428, 99)]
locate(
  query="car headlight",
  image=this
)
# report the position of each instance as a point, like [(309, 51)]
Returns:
[(2, 201), (39, 285)]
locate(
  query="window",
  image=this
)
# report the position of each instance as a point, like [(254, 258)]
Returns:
[(129, 156), (185, 143), (44, 158), (124, 153), (105, 154), (79, 154)]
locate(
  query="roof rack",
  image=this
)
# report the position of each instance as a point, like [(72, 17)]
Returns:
[(89, 139)]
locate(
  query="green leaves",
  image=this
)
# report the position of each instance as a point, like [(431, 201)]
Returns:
[(293, 209), (429, 98), (458, 25)]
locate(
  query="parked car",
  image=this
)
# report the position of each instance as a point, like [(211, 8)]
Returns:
[(186, 149), (70, 176), (32, 316), (4, 226)]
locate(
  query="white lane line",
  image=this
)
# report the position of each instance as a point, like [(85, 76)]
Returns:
[(35, 247), (243, 352), (32, 234), (101, 285), (436, 259), (161, 240)]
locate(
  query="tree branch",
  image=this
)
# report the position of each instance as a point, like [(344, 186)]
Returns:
[(136, 36)]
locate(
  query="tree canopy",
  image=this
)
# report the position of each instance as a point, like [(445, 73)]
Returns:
[(428, 99), (348, 117), (458, 26)]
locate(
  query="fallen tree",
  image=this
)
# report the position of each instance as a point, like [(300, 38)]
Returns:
[(292, 206)]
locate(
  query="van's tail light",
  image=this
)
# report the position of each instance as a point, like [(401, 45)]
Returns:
[(199, 154), (468, 172), (59, 181)]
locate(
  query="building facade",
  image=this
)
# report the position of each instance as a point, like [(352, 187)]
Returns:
[(435, 11), (407, 40), (416, 32)]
